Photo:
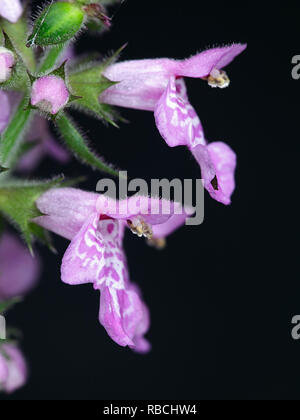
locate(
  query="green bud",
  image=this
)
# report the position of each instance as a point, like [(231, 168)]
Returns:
[(57, 24)]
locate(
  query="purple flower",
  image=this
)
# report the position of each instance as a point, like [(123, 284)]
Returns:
[(46, 144), (13, 368), (11, 10), (157, 85), (7, 61), (50, 94), (5, 110), (95, 225), (19, 271)]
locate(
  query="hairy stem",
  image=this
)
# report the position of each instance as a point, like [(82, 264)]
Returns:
[(13, 135), (51, 58)]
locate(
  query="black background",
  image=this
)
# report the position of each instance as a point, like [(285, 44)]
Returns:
[(222, 295)]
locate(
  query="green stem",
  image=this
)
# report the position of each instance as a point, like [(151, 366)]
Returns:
[(51, 58), (12, 136)]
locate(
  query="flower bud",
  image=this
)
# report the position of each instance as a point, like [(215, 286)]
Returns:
[(50, 94), (11, 10), (7, 61), (57, 24)]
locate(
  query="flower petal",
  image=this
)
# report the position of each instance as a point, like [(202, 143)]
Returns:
[(11, 10), (121, 313), (3, 371), (16, 279), (165, 229), (153, 210), (217, 162), (66, 210), (176, 119), (5, 110), (17, 368), (224, 160), (202, 64), (95, 256), (142, 82)]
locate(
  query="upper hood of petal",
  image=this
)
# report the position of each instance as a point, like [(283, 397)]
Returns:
[(66, 209), (202, 64)]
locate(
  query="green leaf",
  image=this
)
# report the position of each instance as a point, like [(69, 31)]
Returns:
[(11, 139), (17, 204), (17, 33), (1, 38), (58, 23), (7, 304), (77, 144)]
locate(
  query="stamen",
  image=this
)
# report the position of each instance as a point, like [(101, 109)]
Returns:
[(158, 243), (218, 78), (139, 227)]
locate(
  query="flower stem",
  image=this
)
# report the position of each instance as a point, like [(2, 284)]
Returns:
[(51, 58), (12, 137)]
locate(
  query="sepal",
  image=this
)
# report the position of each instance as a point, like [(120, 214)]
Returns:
[(88, 82), (17, 205)]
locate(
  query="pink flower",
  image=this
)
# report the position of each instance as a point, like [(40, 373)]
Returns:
[(19, 271), (7, 61), (11, 10), (95, 225), (50, 94), (46, 145), (157, 85), (13, 368)]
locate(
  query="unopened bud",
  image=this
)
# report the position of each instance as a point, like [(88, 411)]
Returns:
[(7, 61), (50, 94), (58, 23)]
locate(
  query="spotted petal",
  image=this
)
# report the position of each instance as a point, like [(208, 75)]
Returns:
[(121, 312), (95, 256), (176, 119), (217, 162)]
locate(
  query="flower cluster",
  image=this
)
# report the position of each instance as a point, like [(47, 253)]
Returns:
[(38, 89)]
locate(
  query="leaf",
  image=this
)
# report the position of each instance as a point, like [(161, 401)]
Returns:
[(1, 38), (17, 33), (7, 304), (57, 24), (11, 139), (77, 144), (17, 204)]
